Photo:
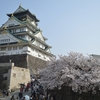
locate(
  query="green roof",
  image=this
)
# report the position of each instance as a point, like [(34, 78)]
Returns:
[(20, 9)]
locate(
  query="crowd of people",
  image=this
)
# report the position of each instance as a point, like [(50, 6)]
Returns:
[(5, 92), (36, 91)]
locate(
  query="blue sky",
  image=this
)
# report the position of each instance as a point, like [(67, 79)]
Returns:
[(69, 25)]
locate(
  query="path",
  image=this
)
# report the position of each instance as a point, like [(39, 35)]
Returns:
[(15, 94)]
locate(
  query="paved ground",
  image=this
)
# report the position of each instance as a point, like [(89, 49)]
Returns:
[(15, 94)]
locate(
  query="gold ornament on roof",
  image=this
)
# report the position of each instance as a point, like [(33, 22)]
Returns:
[(4, 30), (20, 5), (26, 16), (24, 19), (21, 24), (12, 14), (4, 27)]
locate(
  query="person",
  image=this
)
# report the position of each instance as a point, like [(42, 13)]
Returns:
[(31, 97), (36, 97), (20, 95), (48, 96), (17, 98), (27, 86), (12, 98), (80, 99), (32, 89), (21, 89), (41, 96), (8, 92), (4, 93), (31, 76), (34, 94), (23, 98)]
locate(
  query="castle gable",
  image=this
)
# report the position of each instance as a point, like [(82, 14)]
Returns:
[(6, 37), (11, 22), (48, 50), (39, 35)]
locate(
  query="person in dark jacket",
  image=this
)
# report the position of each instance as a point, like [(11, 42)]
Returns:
[(20, 95), (4, 93)]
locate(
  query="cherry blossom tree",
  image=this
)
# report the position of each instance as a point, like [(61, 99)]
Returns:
[(81, 73)]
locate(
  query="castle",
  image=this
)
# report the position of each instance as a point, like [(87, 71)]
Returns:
[(23, 48)]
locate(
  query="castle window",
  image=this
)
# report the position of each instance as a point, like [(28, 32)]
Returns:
[(9, 48), (20, 47), (14, 48), (23, 36), (11, 25), (5, 40), (21, 30), (44, 57), (13, 31), (5, 78), (39, 55), (3, 48)]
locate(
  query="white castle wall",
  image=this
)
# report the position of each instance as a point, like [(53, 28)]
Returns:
[(23, 50)]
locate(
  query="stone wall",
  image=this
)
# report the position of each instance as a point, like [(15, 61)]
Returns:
[(18, 60), (24, 61), (5, 74), (35, 63)]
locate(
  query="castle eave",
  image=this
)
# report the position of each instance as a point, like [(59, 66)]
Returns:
[(27, 12)]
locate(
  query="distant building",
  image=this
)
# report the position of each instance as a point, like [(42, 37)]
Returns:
[(23, 44), (96, 56)]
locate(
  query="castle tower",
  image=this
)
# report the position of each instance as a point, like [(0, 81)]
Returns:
[(22, 42)]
